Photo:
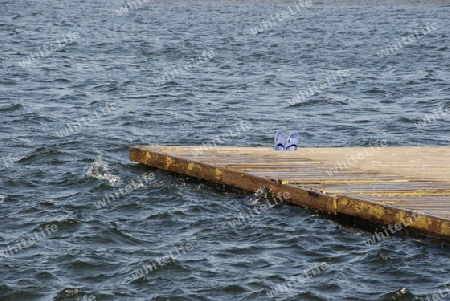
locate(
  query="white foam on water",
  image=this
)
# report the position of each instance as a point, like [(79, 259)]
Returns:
[(260, 195), (100, 170)]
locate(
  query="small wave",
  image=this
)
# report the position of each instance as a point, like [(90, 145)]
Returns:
[(100, 170), (401, 294), (70, 293), (11, 108), (374, 91), (63, 80)]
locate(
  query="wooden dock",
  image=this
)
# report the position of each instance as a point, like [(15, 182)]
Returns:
[(391, 185)]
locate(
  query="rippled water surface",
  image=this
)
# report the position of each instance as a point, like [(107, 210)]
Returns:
[(79, 85)]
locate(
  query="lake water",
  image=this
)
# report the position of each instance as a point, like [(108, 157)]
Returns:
[(82, 81)]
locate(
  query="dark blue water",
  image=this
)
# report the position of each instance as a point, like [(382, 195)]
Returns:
[(79, 85)]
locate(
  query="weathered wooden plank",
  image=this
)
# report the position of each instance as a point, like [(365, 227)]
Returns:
[(385, 184)]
